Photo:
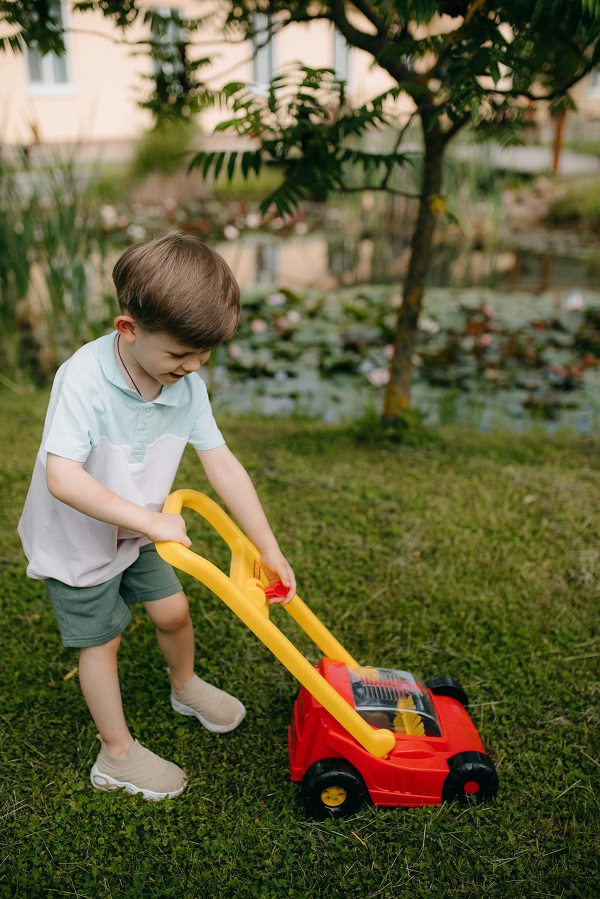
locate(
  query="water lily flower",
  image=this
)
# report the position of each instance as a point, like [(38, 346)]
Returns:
[(574, 302), (379, 377), (258, 326), (276, 299)]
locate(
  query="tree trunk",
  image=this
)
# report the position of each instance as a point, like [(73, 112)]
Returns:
[(397, 396)]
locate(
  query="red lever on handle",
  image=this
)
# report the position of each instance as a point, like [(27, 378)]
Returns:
[(277, 589)]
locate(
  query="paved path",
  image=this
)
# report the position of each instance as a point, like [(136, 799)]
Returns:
[(531, 160)]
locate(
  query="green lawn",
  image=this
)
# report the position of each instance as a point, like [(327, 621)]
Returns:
[(474, 556)]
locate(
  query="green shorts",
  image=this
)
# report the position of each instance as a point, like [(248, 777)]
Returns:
[(90, 616)]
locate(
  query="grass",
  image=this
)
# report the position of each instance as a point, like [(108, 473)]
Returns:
[(475, 556)]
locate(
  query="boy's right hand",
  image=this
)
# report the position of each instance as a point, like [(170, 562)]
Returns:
[(168, 527)]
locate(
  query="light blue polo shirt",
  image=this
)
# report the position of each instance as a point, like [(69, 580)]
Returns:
[(131, 446)]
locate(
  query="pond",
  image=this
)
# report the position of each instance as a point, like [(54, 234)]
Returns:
[(509, 337)]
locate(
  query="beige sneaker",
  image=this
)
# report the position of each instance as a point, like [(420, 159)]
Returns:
[(215, 709), (141, 772)]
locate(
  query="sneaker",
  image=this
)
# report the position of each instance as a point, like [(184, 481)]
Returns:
[(141, 772), (215, 709)]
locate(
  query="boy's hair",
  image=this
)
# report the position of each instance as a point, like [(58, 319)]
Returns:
[(180, 286)]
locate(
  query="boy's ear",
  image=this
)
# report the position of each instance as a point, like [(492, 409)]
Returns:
[(126, 327)]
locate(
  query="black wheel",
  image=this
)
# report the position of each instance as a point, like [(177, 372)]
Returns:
[(448, 686), (333, 788), (472, 778)]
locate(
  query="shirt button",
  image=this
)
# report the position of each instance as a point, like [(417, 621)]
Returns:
[(148, 410), (143, 427), (140, 446)]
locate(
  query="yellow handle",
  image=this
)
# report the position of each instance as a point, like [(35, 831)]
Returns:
[(243, 592)]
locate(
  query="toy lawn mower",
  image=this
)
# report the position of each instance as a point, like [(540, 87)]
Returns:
[(358, 733)]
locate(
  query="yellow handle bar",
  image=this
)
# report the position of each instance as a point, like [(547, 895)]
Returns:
[(244, 592)]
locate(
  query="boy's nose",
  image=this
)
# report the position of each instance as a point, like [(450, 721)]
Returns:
[(191, 364)]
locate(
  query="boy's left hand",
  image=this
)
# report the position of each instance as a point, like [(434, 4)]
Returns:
[(277, 568)]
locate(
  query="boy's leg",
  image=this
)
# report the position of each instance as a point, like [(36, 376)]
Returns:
[(93, 618), (99, 679), (216, 710), (175, 635), (121, 763)]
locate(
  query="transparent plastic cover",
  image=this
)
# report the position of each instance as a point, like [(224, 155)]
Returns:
[(392, 699)]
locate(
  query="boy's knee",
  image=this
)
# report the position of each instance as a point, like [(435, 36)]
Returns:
[(171, 614)]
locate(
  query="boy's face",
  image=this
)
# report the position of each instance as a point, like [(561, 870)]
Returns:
[(159, 356)]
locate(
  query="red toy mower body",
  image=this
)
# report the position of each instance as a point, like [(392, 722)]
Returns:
[(438, 753)]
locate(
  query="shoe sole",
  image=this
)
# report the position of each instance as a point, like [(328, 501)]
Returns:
[(106, 783), (214, 728)]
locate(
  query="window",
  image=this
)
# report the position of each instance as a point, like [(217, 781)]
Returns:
[(48, 72), (263, 55), (594, 83), (169, 39), (341, 61)]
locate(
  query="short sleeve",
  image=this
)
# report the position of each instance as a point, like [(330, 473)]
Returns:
[(70, 422), (205, 434)]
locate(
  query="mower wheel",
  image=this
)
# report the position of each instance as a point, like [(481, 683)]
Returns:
[(333, 788), (448, 686), (472, 778)]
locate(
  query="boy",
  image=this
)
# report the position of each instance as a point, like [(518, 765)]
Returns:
[(121, 412)]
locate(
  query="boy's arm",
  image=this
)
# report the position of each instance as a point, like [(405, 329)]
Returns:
[(232, 482), (71, 484)]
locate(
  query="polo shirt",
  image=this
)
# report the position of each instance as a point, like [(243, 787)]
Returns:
[(131, 446)]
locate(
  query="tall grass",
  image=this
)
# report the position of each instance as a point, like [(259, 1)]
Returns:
[(17, 223), (52, 267)]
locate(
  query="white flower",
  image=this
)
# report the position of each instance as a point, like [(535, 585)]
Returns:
[(378, 377), (574, 302), (230, 232), (136, 232), (258, 326), (253, 220), (109, 216), (276, 299), (429, 325)]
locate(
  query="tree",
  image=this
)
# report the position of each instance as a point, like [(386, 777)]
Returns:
[(463, 63)]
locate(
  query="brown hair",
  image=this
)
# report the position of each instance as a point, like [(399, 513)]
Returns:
[(180, 286)]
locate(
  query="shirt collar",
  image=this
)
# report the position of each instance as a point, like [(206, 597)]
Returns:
[(169, 396)]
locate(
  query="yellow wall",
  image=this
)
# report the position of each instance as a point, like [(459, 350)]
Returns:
[(100, 104)]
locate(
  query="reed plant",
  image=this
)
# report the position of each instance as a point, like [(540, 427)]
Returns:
[(17, 208), (52, 268)]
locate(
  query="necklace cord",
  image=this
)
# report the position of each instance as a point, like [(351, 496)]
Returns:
[(125, 367)]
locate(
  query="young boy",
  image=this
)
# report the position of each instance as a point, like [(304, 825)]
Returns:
[(121, 412)]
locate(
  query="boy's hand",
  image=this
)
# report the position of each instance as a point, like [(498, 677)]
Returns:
[(168, 527), (277, 568)]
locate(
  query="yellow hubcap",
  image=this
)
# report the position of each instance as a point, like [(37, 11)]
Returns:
[(333, 796)]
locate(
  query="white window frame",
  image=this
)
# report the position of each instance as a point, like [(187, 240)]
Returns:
[(594, 82), (171, 38), (341, 57), (48, 86), (263, 54)]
